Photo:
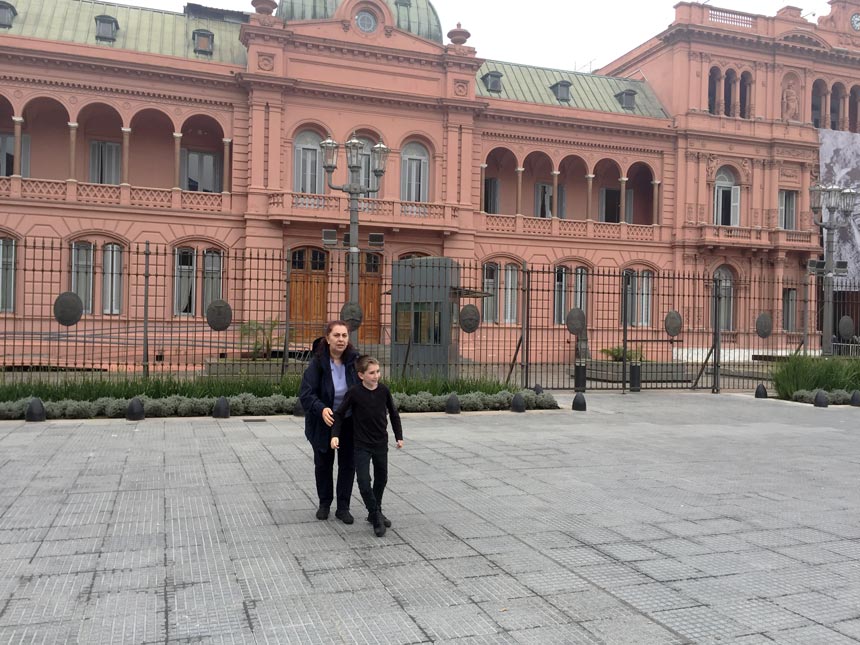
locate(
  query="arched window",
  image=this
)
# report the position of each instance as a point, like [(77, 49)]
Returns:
[(727, 199), (414, 173), (90, 265), (638, 290), (7, 274), (82, 273), (111, 279), (185, 287), (511, 293), (307, 164), (724, 287), (491, 287)]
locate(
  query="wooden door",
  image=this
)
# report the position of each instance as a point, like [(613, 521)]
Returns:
[(308, 288), (370, 298)]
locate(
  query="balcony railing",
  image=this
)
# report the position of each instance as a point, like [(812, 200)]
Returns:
[(373, 211), (554, 227), (712, 235), (75, 192)]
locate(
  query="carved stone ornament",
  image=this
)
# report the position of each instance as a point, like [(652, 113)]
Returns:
[(790, 101), (846, 327), (470, 319), (352, 315), (575, 321), (265, 62), (461, 88), (673, 323), (764, 325), (68, 308), (219, 315)]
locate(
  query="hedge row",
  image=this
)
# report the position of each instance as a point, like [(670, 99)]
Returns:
[(834, 397), (249, 404)]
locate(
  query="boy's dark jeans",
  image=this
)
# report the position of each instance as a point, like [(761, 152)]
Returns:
[(371, 494)]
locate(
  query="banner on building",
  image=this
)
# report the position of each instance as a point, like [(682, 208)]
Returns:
[(840, 166)]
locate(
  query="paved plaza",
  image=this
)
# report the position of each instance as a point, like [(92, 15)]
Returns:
[(652, 519)]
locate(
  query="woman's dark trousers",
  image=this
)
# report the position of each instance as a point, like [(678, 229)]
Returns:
[(324, 470)]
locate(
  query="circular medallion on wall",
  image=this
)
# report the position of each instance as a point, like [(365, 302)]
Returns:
[(366, 21)]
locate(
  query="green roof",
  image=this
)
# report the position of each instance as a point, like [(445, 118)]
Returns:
[(415, 16), (587, 91), (142, 30)]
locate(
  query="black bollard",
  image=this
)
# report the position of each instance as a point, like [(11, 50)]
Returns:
[(855, 398), (35, 410), (579, 402), (761, 391), (518, 403), (452, 405), (579, 376), (221, 409), (134, 412), (635, 377), (538, 389), (821, 400)]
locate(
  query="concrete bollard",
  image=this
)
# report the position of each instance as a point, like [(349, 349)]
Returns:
[(761, 391), (821, 400), (221, 409), (518, 403), (134, 412), (452, 404), (35, 411), (579, 402)]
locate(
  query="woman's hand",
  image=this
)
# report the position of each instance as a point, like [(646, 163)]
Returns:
[(328, 417), (335, 443)]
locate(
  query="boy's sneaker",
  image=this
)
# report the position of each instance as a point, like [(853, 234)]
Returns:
[(385, 520), (378, 525), (322, 513), (344, 516)]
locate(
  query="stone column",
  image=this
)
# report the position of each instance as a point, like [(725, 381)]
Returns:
[(73, 140), (622, 205), (16, 163), (736, 96), (481, 190), (588, 196), (554, 201), (825, 110), (719, 93), (655, 202), (519, 172), (126, 137), (843, 112), (276, 151), (177, 153), (225, 167)]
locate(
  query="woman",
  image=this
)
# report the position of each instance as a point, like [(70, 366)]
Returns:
[(328, 376)]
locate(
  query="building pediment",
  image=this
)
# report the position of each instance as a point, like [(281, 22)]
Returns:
[(804, 38)]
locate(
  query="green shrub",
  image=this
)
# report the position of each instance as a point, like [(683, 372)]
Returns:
[(616, 353), (812, 373)]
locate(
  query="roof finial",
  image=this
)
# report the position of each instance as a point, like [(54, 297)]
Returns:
[(459, 36)]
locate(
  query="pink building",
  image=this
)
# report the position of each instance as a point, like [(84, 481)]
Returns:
[(199, 133)]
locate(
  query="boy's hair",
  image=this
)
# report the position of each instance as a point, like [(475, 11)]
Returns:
[(364, 362)]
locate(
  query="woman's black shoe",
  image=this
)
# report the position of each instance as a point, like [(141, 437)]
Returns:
[(322, 513), (385, 520), (344, 516)]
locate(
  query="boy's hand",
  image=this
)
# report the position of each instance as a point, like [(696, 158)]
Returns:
[(399, 443), (335, 443)]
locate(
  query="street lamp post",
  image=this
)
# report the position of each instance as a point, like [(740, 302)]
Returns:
[(839, 204), (354, 187)]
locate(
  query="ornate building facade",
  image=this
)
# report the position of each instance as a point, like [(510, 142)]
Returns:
[(200, 131)]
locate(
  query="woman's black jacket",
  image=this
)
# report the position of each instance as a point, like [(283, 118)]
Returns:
[(317, 393)]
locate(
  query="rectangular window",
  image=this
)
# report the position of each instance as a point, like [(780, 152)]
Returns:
[(562, 275), (491, 286), (491, 195), (511, 293), (787, 210), (610, 205), (184, 292), (7, 155), (212, 261), (421, 320), (82, 273), (637, 292), (308, 172), (112, 279), (543, 200), (727, 205), (7, 275), (200, 171), (415, 188), (580, 289), (789, 309), (104, 162)]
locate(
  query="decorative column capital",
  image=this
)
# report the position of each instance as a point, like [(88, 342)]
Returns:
[(656, 182), (623, 180), (226, 141), (555, 172), (72, 125), (520, 170), (126, 130), (484, 166), (589, 177), (177, 135), (17, 119)]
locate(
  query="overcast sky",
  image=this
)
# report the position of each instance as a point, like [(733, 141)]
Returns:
[(571, 35)]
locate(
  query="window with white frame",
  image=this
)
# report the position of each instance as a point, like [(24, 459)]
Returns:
[(638, 288), (7, 155), (186, 289), (82, 273), (7, 274), (511, 293), (491, 195), (545, 205), (580, 288), (491, 287), (200, 171), (307, 164), (727, 199), (414, 173), (789, 310), (724, 288), (609, 205), (105, 162), (787, 210), (561, 295), (112, 279)]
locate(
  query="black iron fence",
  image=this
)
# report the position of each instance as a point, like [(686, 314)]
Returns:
[(158, 309)]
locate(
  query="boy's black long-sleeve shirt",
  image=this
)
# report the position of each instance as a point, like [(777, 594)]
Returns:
[(369, 421)]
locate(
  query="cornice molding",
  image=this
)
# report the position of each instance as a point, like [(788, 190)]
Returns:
[(507, 137), (580, 123)]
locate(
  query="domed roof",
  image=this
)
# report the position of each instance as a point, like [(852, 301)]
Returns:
[(415, 16)]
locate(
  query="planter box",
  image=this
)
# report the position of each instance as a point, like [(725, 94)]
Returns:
[(652, 371)]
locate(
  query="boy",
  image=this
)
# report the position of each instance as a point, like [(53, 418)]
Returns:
[(369, 401)]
